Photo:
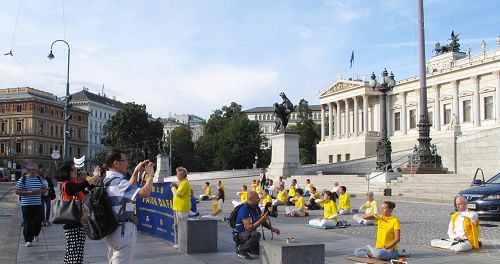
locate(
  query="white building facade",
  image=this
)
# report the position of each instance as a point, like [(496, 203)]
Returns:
[(463, 91)]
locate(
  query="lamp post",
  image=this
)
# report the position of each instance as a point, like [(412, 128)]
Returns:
[(66, 103), (384, 148)]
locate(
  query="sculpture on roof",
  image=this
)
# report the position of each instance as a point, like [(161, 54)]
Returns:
[(283, 112), (454, 46)]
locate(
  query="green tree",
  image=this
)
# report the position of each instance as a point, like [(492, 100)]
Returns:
[(310, 133), (183, 152), (229, 140), (131, 130)]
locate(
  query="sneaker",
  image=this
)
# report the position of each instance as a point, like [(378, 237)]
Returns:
[(242, 254), (175, 246), (35, 239), (28, 244)]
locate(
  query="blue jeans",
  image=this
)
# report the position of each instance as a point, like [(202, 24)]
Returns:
[(378, 253)]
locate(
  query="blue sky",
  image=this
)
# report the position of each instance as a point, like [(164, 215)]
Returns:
[(196, 56)]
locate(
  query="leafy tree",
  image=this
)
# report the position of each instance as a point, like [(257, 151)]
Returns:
[(183, 152), (229, 140), (131, 130), (310, 133)]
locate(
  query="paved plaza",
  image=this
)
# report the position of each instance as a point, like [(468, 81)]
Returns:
[(420, 222)]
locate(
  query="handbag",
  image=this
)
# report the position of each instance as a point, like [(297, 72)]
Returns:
[(66, 211)]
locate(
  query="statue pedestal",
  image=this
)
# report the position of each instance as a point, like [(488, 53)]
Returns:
[(162, 167), (284, 156)]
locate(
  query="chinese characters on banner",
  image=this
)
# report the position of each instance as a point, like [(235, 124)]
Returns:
[(155, 213)]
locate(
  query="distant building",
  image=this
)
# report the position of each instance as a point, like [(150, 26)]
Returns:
[(31, 128), (266, 118), (193, 122), (101, 108)]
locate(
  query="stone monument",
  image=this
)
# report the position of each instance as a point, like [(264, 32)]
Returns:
[(285, 145), (162, 162)]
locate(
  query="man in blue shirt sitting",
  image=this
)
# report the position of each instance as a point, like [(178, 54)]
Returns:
[(248, 219)]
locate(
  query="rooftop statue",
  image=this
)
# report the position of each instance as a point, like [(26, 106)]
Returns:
[(283, 112), (454, 46)]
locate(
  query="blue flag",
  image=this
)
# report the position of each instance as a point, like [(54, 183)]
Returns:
[(352, 59)]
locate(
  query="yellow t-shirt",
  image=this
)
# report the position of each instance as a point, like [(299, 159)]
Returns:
[(254, 187), (266, 199), (291, 192), (299, 204), (330, 208), (315, 196), (281, 196), (385, 230), (309, 187), (243, 196), (182, 201), (208, 191), (258, 189), (345, 202), (370, 207)]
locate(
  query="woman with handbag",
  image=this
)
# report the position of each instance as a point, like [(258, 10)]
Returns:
[(72, 189)]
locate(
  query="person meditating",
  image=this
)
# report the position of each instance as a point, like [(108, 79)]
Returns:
[(243, 196), (388, 235), (207, 192), (370, 207), (344, 201), (463, 230), (299, 205), (330, 212), (217, 207), (315, 195)]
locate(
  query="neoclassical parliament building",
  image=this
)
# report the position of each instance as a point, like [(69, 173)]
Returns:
[(463, 91)]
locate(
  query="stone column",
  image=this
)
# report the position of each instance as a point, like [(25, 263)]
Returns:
[(356, 121), (437, 109), (477, 102), (322, 106), (365, 114), (497, 97), (456, 103), (330, 121), (347, 119), (403, 115), (337, 122)]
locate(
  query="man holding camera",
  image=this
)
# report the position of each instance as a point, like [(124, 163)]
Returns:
[(245, 232)]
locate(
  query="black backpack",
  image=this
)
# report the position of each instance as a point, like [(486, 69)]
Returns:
[(98, 219), (233, 215)]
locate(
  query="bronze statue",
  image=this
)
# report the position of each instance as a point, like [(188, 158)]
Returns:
[(283, 112), (161, 145), (454, 46)]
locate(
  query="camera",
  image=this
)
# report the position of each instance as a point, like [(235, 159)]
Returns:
[(273, 212)]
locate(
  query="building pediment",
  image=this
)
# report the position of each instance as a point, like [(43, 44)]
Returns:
[(340, 85)]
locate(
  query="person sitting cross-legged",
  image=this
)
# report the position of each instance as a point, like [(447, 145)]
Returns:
[(248, 219), (463, 230), (243, 196), (330, 212), (388, 235), (280, 198), (299, 205), (265, 198), (344, 201), (314, 195), (217, 207), (207, 192), (194, 208), (370, 207)]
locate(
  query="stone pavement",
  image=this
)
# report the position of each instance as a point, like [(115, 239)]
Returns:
[(419, 222)]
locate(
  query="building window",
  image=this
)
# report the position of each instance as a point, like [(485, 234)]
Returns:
[(78, 151), (2, 148), (57, 148), (79, 134), (105, 116), (50, 150), (95, 139), (100, 114), (397, 121), (52, 112), (19, 126), (42, 109), (488, 107), (18, 147), (447, 113), (19, 108), (2, 126), (330, 158), (467, 110), (71, 151), (90, 125), (2, 108), (347, 157), (430, 115), (40, 129), (413, 118), (40, 149), (71, 132), (79, 118), (61, 130), (57, 131), (339, 157)]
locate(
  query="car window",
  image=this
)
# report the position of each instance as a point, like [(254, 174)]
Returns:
[(494, 179)]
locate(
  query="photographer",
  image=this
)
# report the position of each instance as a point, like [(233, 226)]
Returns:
[(245, 232)]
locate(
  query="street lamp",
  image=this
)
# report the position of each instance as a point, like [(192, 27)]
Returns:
[(383, 144), (66, 104)]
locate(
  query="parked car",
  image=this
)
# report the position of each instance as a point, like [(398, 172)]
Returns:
[(4, 175), (484, 197)]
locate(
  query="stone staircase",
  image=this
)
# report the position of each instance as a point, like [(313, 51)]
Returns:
[(421, 187)]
